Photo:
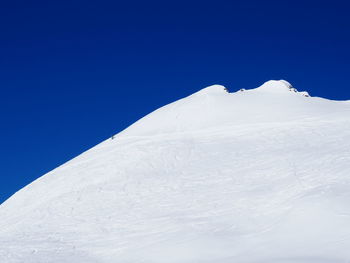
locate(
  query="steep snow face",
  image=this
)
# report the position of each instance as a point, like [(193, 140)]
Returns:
[(257, 175)]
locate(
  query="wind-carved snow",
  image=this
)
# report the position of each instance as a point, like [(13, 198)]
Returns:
[(258, 175)]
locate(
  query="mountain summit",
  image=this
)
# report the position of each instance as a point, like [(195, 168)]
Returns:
[(256, 175), (216, 108)]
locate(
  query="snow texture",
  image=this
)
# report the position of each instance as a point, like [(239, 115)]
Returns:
[(258, 175)]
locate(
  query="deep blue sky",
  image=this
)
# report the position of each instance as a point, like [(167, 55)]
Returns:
[(72, 73)]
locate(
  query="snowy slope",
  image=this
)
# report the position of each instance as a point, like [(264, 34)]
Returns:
[(259, 175)]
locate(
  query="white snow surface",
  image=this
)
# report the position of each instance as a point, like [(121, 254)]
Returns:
[(260, 175)]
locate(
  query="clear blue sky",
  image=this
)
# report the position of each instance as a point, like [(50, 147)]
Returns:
[(72, 73)]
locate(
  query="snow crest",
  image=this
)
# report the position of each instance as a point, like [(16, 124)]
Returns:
[(211, 90)]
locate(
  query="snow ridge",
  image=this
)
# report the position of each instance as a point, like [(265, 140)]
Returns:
[(209, 178)]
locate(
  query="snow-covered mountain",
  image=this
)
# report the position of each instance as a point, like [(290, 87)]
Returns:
[(259, 175)]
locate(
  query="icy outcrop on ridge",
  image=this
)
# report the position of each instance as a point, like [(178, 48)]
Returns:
[(257, 175)]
